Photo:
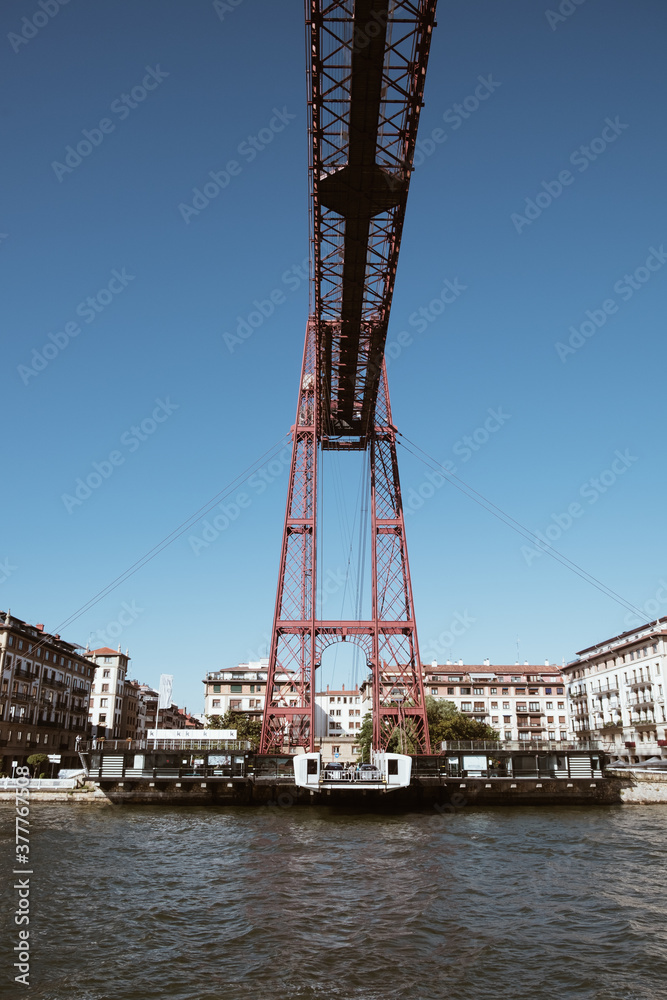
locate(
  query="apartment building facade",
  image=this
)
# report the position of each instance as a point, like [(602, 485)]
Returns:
[(45, 686), (617, 692), (241, 689), (339, 713), (108, 711), (526, 702)]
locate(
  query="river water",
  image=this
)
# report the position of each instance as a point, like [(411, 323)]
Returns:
[(141, 903)]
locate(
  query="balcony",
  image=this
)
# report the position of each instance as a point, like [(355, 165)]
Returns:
[(15, 696), (601, 688), (640, 699), (53, 683), (643, 723), (20, 672), (641, 682)]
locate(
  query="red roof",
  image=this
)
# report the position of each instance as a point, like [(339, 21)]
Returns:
[(105, 651)]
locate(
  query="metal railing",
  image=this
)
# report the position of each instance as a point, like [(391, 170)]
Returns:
[(37, 783), (558, 745), (350, 776), (138, 746)]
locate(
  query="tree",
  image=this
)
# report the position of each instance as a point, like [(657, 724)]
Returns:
[(246, 727), (445, 722), (365, 739), (35, 759)]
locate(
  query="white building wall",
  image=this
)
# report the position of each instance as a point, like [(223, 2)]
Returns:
[(338, 713), (520, 702), (617, 693)]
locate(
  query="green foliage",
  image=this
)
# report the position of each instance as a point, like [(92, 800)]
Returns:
[(246, 728), (35, 759), (445, 722), (364, 739), (214, 722)]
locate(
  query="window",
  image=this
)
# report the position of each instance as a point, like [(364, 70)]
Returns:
[(478, 690), (107, 659), (547, 690), (561, 704), (104, 702), (106, 673), (335, 749), (479, 706), (508, 734), (105, 687), (550, 704), (507, 719), (216, 703), (534, 706), (519, 690), (216, 689), (506, 704), (332, 701), (561, 718), (450, 690), (20, 643), (466, 706), (236, 688), (454, 679), (505, 691), (434, 690), (563, 736), (551, 735), (103, 719), (493, 690), (494, 704), (494, 719), (559, 691)]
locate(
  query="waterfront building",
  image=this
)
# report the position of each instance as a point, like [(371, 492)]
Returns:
[(338, 713), (241, 689), (45, 687), (520, 702), (165, 718), (107, 699), (616, 689), (338, 718), (186, 720), (133, 713)]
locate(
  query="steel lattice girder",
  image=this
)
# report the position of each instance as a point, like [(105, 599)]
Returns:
[(367, 69), (299, 638)]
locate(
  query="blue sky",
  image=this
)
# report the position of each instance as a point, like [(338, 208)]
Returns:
[(169, 92)]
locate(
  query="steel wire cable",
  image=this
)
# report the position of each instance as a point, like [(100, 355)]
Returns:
[(172, 536), (516, 526)]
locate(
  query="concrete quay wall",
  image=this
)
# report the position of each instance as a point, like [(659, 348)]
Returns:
[(441, 794)]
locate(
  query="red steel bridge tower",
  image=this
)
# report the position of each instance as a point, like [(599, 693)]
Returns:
[(367, 66)]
